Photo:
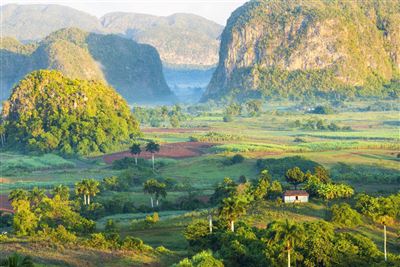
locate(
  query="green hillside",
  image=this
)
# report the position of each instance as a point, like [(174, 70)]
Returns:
[(50, 112), (322, 48), (135, 70)]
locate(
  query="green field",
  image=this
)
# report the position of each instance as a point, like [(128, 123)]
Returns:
[(365, 157)]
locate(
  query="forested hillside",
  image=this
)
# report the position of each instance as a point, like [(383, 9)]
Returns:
[(310, 48), (50, 112), (135, 70)]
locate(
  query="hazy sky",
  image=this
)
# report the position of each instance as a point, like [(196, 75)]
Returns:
[(216, 10)]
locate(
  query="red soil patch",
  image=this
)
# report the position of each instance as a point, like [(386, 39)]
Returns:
[(5, 204), (171, 150), (4, 180), (174, 130)]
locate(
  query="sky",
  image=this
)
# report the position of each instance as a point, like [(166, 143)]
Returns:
[(216, 10)]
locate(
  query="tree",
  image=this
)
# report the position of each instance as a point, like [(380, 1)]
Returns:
[(81, 189), (322, 174), (233, 208), (223, 190), (152, 147), (136, 150), (344, 215), (62, 191), (24, 221), (254, 107), (18, 194), (17, 260), (156, 188), (286, 232), (87, 188), (36, 195), (92, 188), (295, 176), (261, 189), (202, 259)]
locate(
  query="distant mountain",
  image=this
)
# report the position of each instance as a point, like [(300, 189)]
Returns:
[(183, 40), (49, 112), (34, 22), (135, 70), (309, 48)]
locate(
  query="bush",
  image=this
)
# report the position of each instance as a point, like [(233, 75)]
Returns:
[(227, 118), (133, 243), (322, 110), (236, 159), (344, 215), (202, 259)]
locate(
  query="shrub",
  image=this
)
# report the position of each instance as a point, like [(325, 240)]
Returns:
[(202, 259), (98, 240), (227, 118), (236, 159), (322, 110), (344, 215), (132, 243)]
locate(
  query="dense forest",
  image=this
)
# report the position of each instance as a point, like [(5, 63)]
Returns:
[(49, 112)]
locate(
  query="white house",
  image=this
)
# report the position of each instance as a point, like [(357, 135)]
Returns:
[(295, 196)]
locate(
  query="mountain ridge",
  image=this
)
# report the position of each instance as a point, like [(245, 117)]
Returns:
[(135, 70), (183, 40)]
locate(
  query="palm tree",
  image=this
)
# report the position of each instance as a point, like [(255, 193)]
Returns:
[(17, 260), (384, 220), (233, 208), (62, 191), (136, 150), (286, 232), (36, 195), (18, 194), (92, 188), (154, 187), (152, 147), (81, 189), (160, 191)]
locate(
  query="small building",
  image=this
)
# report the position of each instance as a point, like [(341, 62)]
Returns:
[(295, 196)]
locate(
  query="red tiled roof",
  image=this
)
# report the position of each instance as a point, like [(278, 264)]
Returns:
[(295, 193)]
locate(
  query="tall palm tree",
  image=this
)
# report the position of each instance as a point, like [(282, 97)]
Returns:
[(152, 147), (62, 191), (81, 189), (233, 208), (150, 187), (136, 150), (384, 220), (17, 260), (286, 232), (36, 195), (92, 188)]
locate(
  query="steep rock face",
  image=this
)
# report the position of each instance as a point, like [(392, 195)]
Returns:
[(135, 70), (183, 40), (289, 48)]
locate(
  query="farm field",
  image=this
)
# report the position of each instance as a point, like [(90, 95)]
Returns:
[(195, 158)]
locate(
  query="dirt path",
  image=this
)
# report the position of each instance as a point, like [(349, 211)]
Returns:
[(171, 150)]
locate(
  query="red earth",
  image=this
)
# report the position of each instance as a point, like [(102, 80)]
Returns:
[(171, 150), (5, 204)]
